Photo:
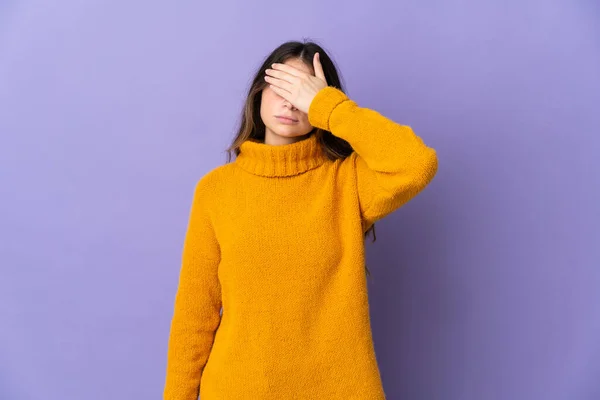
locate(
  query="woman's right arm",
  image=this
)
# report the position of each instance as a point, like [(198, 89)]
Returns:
[(197, 307)]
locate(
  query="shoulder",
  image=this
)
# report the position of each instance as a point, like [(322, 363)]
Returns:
[(348, 164), (214, 176), (209, 184)]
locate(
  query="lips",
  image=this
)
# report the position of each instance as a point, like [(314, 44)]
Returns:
[(286, 117)]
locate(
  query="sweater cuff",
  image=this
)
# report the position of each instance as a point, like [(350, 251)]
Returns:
[(322, 105)]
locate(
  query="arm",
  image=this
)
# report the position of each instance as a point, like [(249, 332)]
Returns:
[(197, 305), (392, 164)]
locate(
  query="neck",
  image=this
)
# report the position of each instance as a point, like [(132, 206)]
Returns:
[(277, 140), (280, 160)]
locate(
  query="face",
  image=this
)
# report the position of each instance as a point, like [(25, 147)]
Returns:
[(272, 105)]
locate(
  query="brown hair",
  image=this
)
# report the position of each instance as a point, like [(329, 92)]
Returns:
[(251, 125)]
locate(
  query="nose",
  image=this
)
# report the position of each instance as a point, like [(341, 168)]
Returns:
[(289, 105)]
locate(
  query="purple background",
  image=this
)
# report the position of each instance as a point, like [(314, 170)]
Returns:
[(486, 286)]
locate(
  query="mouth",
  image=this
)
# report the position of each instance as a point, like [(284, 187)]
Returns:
[(286, 118)]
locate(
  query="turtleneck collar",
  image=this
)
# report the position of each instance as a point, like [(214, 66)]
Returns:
[(280, 160)]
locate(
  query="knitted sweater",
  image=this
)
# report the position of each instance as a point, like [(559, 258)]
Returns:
[(276, 238)]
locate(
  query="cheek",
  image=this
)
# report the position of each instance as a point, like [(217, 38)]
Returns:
[(304, 118), (268, 98)]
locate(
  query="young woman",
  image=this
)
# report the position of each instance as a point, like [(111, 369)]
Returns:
[(272, 299)]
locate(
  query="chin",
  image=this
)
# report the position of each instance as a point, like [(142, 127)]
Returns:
[(291, 133)]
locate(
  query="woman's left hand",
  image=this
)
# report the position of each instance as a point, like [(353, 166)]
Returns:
[(296, 86)]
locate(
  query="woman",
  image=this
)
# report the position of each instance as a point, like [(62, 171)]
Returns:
[(275, 241)]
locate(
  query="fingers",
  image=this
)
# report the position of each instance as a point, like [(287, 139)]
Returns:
[(280, 75), (279, 83), (289, 73), (287, 68), (319, 73), (280, 91)]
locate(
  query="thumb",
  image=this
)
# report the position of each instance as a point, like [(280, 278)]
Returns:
[(318, 67)]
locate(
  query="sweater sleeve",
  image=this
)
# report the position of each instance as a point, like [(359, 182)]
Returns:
[(391, 163), (197, 307)]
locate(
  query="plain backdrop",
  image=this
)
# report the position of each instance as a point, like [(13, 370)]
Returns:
[(484, 287)]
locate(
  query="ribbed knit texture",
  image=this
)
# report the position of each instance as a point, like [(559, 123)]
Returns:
[(276, 238)]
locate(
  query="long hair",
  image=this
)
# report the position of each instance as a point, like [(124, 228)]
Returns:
[(251, 124)]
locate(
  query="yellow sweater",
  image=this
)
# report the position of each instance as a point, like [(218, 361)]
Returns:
[(276, 239)]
